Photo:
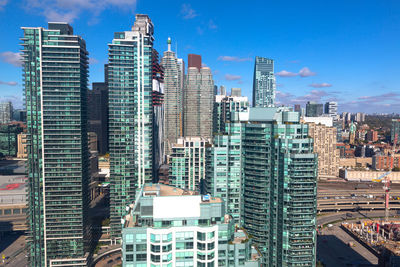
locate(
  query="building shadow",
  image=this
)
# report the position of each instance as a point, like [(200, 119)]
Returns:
[(7, 235), (333, 252)]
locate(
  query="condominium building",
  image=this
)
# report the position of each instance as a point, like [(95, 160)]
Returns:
[(314, 109), (169, 226), (264, 84), (198, 102), (130, 82), (236, 92), (22, 152), (224, 107), (325, 146), (187, 163), (55, 71), (279, 189), (395, 131), (173, 97), (331, 109), (6, 112), (224, 169)]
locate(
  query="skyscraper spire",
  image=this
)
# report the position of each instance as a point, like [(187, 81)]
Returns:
[(169, 44)]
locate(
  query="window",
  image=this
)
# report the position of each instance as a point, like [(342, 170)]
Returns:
[(129, 257), (141, 237), (201, 236), (141, 257), (155, 258), (155, 248), (129, 248), (141, 247)]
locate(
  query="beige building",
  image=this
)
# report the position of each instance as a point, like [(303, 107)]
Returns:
[(367, 175), (22, 150), (325, 145), (355, 162)]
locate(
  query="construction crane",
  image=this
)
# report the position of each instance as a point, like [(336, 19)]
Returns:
[(386, 181)]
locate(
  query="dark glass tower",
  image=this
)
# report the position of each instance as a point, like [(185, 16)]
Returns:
[(264, 83), (56, 76)]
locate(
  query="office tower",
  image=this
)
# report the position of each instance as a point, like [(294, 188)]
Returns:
[(222, 90), (194, 61), (224, 107), (264, 84), (325, 146), (395, 131), (19, 115), (6, 112), (236, 92), (130, 71), (297, 108), (171, 226), (158, 115), (215, 89), (331, 109), (198, 102), (55, 71), (9, 139), (314, 109), (224, 169), (187, 163), (98, 114), (280, 192), (173, 96)]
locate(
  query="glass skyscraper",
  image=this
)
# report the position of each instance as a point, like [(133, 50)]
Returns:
[(279, 189), (130, 116), (55, 72), (264, 84)]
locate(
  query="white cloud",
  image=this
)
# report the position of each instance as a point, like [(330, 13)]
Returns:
[(212, 25), (3, 3), (200, 30), (69, 10), (92, 61), (285, 73), (233, 59), (230, 77), (9, 83), (188, 12), (12, 58), (306, 72), (320, 85)]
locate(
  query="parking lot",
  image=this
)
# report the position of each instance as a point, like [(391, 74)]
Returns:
[(333, 249)]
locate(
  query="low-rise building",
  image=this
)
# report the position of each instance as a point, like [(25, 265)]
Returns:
[(385, 162), (360, 175), (170, 226), (22, 149)]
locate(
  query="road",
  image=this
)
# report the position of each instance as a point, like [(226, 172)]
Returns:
[(355, 214)]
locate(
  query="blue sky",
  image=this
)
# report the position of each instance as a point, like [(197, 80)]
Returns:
[(344, 50)]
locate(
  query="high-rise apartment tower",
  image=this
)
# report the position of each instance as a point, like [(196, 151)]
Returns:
[(56, 74), (130, 82), (264, 84)]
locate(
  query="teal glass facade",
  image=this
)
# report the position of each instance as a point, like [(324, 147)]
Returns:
[(130, 116), (224, 169), (9, 139), (280, 192), (55, 74)]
